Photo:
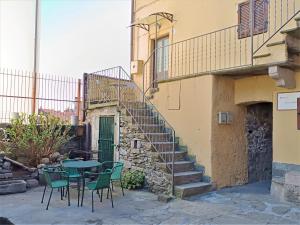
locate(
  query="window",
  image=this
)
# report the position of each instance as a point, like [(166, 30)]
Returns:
[(260, 18), (162, 59)]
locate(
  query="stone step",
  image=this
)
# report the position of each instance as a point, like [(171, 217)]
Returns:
[(165, 146), (294, 32), (152, 128), (159, 137), (187, 177), (178, 156), (179, 166), (186, 190), (140, 112), (147, 120), (131, 105)]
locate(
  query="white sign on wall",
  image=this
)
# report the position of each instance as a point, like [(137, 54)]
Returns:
[(287, 101)]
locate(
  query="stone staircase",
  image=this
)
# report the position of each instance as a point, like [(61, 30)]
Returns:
[(187, 180)]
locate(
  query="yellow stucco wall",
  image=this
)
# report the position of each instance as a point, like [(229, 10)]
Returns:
[(191, 105), (286, 137), (187, 105), (229, 152)]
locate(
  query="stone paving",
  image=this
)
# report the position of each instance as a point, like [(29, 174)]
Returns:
[(250, 204)]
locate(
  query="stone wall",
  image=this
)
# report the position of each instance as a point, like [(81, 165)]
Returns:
[(259, 141), (143, 157)]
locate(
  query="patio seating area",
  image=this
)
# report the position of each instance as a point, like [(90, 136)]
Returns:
[(100, 177)]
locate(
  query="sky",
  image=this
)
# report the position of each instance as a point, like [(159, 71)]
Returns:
[(76, 36)]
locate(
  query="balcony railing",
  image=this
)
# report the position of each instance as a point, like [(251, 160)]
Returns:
[(227, 48)]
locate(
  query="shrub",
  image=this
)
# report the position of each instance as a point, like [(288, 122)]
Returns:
[(133, 179), (33, 137)]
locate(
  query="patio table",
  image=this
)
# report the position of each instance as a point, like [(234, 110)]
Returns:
[(82, 166)]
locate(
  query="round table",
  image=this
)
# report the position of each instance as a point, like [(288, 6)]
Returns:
[(81, 166)]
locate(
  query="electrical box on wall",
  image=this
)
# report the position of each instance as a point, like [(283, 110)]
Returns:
[(136, 67), (224, 118)]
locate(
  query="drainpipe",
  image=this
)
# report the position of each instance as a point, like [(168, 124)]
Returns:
[(252, 28)]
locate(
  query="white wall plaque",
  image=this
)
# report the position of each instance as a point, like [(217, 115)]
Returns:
[(287, 101)]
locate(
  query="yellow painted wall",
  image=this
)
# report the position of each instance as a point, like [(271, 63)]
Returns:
[(229, 153), (286, 137), (187, 105)]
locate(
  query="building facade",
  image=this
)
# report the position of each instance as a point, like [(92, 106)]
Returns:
[(213, 91), (228, 86)]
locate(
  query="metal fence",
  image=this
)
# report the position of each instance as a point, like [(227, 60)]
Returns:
[(26, 92)]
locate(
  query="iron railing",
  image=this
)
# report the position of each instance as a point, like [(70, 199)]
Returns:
[(227, 48), (115, 86), (56, 95)]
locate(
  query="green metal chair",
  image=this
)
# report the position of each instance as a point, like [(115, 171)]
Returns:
[(74, 176), (55, 179), (116, 171), (102, 182)]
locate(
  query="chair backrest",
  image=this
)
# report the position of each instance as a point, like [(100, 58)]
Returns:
[(117, 170), (49, 173), (103, 180), (70, 171)]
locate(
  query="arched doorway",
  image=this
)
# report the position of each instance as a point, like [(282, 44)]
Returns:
[(259, 129)]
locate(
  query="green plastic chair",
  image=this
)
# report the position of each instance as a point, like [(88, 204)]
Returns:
[(74, 176), (55, 179), (102, 182), (116, 175)]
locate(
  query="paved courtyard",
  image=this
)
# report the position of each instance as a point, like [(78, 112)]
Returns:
[(250, 204)]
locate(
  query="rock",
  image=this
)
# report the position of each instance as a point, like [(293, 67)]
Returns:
[(41, 166), (164, 198), (13, 186), (32, 183), (6, 165), (55, 156), (45, 161), (5, 175), (35, 174), (280, 210)]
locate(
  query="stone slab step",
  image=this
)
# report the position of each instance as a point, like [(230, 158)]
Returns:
[(187, 177), (186, 190), (165, 146), (159, 137), (294, 32), (140, 112), (179, 166), (178, 155), (152, 128), (147, 120)]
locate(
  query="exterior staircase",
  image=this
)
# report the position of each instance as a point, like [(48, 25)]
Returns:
[(187, 180)]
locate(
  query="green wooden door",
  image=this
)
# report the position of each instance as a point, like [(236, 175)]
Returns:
[(106, 139)]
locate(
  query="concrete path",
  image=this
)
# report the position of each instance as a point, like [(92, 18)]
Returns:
[(249, 204)]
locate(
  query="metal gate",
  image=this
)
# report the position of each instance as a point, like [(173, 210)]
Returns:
[(106, 139)]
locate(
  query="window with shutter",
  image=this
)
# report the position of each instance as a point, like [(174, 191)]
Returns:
[(260, 18)]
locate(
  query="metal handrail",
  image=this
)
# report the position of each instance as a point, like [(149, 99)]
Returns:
[(109, 77)]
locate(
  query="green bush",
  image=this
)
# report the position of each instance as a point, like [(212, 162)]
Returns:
[(133, 179), (33, 137)]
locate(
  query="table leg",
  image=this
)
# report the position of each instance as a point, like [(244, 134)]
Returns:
[(78, 190), (83, 187)]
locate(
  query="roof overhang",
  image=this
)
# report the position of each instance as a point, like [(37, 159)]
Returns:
[(145, 22)]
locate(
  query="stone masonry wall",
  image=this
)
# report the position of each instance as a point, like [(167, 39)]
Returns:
[(144, 158), (259, 136)]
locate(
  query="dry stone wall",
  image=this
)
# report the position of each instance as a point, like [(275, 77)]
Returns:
[(142, 156)]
